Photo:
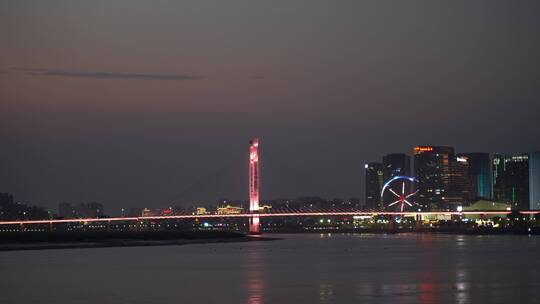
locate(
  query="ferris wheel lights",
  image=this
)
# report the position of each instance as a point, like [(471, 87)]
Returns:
[(402, 198)]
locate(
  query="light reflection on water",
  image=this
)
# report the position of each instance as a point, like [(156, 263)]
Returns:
[(326, 292), (255, 283), (315, 268)]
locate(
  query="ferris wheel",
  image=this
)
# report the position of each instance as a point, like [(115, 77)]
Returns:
[(399, 187)]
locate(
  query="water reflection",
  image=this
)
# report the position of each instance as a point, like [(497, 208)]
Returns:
[(462, 292), (427, 293), (425, 289), (424, 293), (326, 292), (460, 241), (300, 269), (255, 283), (461, 286)]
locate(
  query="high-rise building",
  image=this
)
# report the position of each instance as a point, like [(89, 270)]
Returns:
[(497, 180), (460, 184), (374, 183), (511, 179), (534, 180), (432, 168), (395, 164), (479, 175)]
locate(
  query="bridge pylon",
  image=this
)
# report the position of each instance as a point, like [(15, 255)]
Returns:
[(254, 223)]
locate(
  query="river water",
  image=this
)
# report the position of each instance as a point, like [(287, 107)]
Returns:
[(301, 268)]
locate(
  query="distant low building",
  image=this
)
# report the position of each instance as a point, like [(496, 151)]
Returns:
[(229, 210), (485, 205), (92, 210), (265, 208), (135, 212), (201, 211), (151, 212), (11, 210), (88, 210), (66, 210)]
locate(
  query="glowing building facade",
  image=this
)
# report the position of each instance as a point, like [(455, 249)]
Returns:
[(229, 210)]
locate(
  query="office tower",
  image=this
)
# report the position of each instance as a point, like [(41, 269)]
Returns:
[(534, 180), (511, 179), (479, 175), (432, 168), (460, 184), (374, 183), (395, 164)]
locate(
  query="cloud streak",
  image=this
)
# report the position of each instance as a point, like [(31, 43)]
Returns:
[(103, 75)]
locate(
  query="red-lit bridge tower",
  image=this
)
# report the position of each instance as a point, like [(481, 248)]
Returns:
[(254, 225)]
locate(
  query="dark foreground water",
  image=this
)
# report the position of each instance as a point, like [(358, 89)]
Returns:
[(406, 268)]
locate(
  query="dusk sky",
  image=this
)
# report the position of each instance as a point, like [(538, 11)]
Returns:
[(152, 103)]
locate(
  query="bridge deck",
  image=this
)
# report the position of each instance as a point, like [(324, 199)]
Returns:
[(271, 214)]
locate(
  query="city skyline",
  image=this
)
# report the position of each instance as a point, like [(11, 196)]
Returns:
[(481, 176)]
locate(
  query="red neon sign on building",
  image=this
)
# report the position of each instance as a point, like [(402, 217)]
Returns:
[(422, 149)]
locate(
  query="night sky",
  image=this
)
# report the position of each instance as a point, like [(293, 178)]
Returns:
[(152, 103)]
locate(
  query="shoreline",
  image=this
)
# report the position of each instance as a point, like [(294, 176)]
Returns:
[(126, 243), (62, 240), (375, 231), (46, 241)]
